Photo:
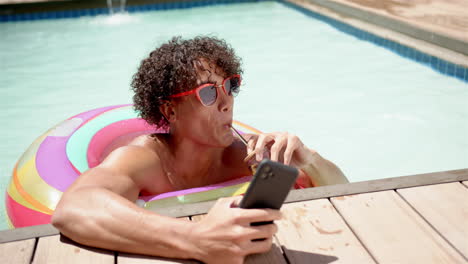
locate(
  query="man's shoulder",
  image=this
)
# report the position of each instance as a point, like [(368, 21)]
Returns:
[(149, 142), (145, 145), (140, 161), (139, 154)]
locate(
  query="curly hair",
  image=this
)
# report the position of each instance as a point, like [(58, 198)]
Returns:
[(169, 70)]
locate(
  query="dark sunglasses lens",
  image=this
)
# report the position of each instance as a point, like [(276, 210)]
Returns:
[(208, 95), (232, 85)]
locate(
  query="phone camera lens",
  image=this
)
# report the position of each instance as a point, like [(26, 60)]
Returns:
[(270, 174), (264, 176)]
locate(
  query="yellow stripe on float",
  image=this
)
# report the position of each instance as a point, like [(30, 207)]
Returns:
[(14, 194), (242, 189), (28, 156), (30, 153), (36, 188), (20, 184), (29, 197)]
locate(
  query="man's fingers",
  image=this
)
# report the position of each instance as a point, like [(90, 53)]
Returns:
[(273, 145), (236, 201), (263, 231), (251, 144), (276, 148), (248, 216), (290, 148), (288, 154), (259, 246), (258, 232), (259, 146), (228, 201), (250, 156), (262, 141)]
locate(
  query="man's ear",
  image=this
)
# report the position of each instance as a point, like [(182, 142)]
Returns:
[(168, 111)]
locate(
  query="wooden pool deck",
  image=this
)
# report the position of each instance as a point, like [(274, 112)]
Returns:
[(445, 17), (412, 219)]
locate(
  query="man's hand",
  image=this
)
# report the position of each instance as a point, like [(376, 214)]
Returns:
[(289, 149), (282, 146), (226, 234)]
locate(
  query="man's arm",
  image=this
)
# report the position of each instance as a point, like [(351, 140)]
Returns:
[(320, 170), (98, 210)]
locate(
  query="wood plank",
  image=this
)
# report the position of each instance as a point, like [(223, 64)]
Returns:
[(392, 231), (377, 185), (313, 232), (127, 258), (445, 207), (17, 252), (59, 249), (274, 256), (28, 232), (335, 190)]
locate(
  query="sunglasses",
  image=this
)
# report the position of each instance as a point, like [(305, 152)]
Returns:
[(208, 93)]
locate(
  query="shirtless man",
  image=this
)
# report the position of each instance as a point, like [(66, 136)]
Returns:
[(189, 86)]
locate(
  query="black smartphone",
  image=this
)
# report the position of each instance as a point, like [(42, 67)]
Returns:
[(270, 185)]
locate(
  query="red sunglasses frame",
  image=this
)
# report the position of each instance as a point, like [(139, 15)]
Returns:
[(196, 91)]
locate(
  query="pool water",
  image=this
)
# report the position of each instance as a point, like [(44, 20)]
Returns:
[(370, 111)]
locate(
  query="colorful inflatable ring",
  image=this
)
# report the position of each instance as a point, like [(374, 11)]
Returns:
[(55, 159)]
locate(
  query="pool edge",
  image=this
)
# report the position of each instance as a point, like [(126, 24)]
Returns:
[(443, 60)]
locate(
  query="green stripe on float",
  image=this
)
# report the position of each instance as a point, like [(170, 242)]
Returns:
[(77, 145), (210, 195), (8, 221)]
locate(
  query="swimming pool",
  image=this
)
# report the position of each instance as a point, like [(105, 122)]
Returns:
[(374, 113)]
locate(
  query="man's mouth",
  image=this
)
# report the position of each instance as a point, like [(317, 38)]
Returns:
[(227, 124)]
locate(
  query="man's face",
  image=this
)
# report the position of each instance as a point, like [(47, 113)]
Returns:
[(207, 125)]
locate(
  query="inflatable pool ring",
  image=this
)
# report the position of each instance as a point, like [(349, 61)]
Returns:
[(55, 160)]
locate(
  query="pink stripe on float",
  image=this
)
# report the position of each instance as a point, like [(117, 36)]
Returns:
[(92, 113), (21, 216), (53, 165), (195, 190), (116, 135), (51, 159)]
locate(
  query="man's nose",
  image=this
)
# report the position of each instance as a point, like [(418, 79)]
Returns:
[(225, 101)]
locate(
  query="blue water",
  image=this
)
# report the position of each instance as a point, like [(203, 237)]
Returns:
[(373, 113)]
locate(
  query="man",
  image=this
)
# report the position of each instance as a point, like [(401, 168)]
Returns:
[(189, 86)]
